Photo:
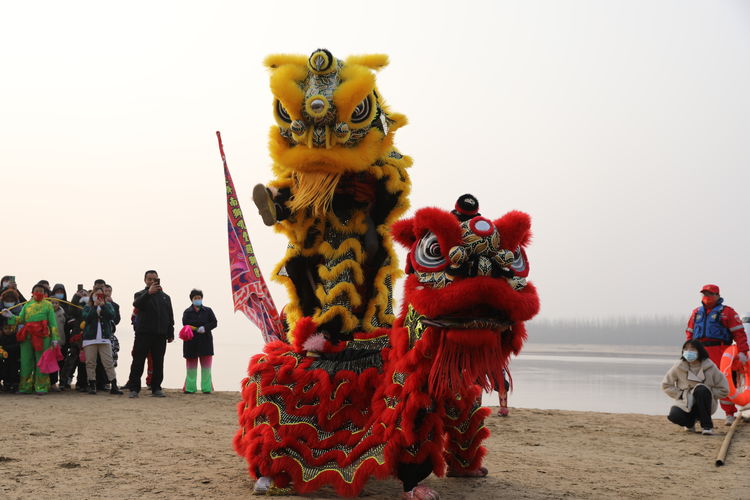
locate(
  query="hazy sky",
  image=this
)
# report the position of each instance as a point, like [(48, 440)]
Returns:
[(622, 128)]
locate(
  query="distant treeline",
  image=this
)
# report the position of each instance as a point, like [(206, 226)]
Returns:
[(631, 331)]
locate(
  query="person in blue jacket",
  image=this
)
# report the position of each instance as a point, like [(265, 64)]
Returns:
[(200, 348)]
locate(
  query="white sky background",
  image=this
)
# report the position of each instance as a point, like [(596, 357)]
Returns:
[(621, 127)]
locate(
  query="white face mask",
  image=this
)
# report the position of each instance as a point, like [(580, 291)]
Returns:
[(84, 300), (5, 284)]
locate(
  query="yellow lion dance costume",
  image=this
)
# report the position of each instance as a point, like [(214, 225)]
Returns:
[(339, 184)]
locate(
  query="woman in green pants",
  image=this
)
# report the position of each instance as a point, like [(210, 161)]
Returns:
[(201, 348)]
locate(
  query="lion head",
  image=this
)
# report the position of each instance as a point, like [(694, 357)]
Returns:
[(467, 290)]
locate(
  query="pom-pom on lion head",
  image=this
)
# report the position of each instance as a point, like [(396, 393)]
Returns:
[(467, 284)]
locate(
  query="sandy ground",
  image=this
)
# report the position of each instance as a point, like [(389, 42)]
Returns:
[(81, 446)]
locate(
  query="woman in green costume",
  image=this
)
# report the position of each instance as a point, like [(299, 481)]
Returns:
[(38, 330)]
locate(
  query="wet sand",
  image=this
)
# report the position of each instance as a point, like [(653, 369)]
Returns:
[(85, 447)]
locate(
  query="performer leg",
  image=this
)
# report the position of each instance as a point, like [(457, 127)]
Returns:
[(463, 448), (412, 474)]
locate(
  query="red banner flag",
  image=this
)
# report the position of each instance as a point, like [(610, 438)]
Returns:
[(249, 289)]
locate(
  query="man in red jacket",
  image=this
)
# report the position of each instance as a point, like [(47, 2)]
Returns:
[(717, 326)]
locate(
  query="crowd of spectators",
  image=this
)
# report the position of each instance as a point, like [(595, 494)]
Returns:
[(80, 333)]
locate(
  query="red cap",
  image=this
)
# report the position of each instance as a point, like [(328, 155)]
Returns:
[(710, 288)]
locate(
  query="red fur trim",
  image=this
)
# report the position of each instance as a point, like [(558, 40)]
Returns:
[(304, 328), (403, 232), (443, 224), (515, 229)]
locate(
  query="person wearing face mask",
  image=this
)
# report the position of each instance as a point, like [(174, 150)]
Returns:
[(695, 383), (9, 366), (7, 282), (200, 348), (98, 315), (37, 332), (74, 336), (716, 326)]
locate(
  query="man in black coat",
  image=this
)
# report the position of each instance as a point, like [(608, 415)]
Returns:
[(154, 327)]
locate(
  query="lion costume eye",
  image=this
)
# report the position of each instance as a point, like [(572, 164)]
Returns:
[(283, 114), (362, 111), (520, 265), (428, 253)]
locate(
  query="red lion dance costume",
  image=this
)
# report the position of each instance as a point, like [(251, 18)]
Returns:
[(402, 401)]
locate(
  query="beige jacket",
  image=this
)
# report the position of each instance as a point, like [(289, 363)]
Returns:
[(679, 385)]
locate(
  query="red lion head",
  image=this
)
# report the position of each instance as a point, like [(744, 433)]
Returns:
[(467, 288)]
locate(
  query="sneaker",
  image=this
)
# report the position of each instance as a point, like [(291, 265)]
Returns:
[(262, 484), (729, 420), (133, 394), (707, 432), (158, 393), (690, 429)]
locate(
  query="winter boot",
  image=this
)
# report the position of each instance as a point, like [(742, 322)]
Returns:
[(92, 386), (114, 389)]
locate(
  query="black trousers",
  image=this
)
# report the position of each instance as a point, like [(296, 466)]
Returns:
[(143, 344), (701, 410), (10, 366), (412, 474)]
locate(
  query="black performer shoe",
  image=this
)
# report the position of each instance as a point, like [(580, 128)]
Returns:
[(263, 199)]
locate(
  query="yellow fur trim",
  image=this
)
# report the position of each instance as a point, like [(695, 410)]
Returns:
[(284, 87), (338, 159), (356, 225), (398, 119), (349, 321), (331, 274), (349, 244), (372, 61), (275, 60), (342, 288), (296, 231), (357, 83), (379, 302)]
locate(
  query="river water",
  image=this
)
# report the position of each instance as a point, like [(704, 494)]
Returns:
[(603, 378)]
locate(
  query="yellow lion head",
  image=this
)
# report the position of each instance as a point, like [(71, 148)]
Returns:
[(331, 118)]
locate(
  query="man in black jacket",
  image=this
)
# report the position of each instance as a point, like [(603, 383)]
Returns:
[(154, 327)]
